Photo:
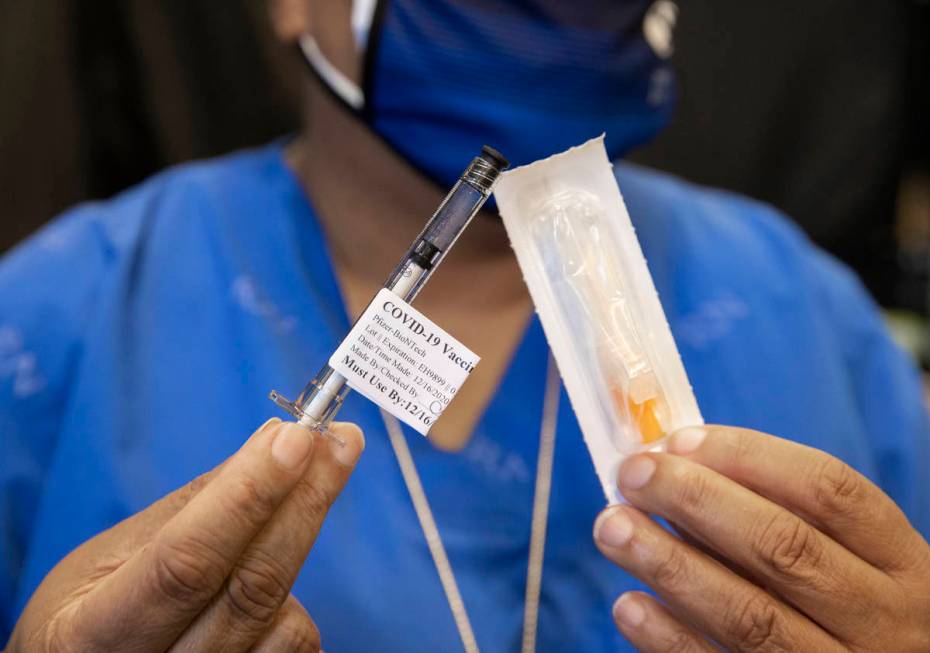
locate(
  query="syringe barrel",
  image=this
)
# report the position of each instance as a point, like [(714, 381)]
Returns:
[(322, 398), (448, 222)]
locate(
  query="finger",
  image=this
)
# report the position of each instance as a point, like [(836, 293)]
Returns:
[(134, 532), (810, 570), (292, 630), (651, 628), (826, 492), (715, 601), (262, 578), (157, 592), (707, 550)]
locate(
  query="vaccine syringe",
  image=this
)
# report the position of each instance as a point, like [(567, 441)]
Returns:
[(321, 399)]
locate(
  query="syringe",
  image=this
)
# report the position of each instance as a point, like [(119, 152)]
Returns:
[(321, 399)]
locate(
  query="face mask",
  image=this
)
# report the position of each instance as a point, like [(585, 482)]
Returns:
[(529, 77)]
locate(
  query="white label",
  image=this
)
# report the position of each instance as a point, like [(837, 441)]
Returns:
[(398, 358)]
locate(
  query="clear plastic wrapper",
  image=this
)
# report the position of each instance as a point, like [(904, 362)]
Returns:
[(592, 289)]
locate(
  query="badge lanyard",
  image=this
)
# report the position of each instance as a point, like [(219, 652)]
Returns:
[(539, 520)]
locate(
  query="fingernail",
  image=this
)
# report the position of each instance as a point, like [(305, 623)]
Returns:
[(636, 472), (347, 454), (686, 441), (613, 529), (628, 611), (292, 445)]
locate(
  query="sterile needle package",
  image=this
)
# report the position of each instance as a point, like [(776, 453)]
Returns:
[(599, 308)]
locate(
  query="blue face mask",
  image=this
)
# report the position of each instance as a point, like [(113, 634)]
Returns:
[(529, 77)]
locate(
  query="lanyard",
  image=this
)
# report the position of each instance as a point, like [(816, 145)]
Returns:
[(540, 517)]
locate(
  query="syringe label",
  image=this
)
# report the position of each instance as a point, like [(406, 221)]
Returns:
[(403, 362)]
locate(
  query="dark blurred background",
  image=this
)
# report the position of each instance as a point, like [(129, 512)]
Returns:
[(821, 107)]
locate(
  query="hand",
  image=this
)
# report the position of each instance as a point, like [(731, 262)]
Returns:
[(208, 567), (785, 549)]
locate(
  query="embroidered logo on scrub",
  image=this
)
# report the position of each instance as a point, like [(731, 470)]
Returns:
[(18, 364)]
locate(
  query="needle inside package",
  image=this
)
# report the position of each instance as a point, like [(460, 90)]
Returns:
[(595, 297)]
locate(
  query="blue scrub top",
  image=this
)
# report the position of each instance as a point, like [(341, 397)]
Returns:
[(139, 338)]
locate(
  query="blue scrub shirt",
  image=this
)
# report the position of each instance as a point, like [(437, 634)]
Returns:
[(139, 338)]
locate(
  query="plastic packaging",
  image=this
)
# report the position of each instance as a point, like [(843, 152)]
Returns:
[(592, 289)]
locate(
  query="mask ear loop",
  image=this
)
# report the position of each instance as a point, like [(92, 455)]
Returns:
[(364, 15), (367, 23), (333, 79)]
